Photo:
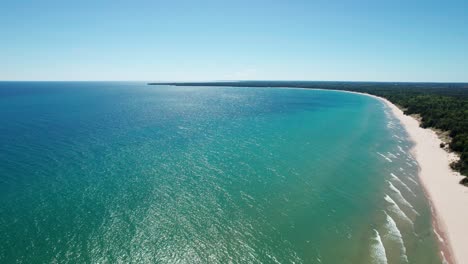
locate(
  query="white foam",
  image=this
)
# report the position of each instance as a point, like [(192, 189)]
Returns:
[(444, 259), (439, 236), (385, 157), (402, 183), (391, 155), (395, 234), (396, 209), (412, 161), (401, 149), (378, 250), (401, 198), (415, 182)]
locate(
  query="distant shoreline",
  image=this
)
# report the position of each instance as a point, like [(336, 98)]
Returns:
[(448, 199)]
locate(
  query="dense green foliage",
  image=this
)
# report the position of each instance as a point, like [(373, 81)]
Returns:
[(441, 105), (447, 113)]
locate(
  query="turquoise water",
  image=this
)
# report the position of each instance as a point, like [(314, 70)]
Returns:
[(130, 173)]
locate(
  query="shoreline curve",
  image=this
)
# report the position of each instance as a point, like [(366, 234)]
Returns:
[(447, 198)]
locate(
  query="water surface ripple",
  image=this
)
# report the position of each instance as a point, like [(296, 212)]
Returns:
[(129, 173)]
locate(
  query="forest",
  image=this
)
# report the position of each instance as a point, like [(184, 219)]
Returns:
[(443, 106)]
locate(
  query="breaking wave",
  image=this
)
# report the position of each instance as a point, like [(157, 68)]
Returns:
[(395, 234), (378, 250)]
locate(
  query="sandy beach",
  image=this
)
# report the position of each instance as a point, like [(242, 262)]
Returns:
[(449, 199)]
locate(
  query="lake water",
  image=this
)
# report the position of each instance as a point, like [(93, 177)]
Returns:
[(103, 172)]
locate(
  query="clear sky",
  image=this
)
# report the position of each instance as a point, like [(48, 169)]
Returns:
[(155, 40)]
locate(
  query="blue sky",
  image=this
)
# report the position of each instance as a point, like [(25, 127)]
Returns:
[(231, 40)]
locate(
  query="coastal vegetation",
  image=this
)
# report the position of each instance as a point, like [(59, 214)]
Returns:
[(443, 106)]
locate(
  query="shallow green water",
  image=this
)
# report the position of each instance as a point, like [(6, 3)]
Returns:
[(125, 172)]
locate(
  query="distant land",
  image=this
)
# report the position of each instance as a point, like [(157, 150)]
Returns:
[(442, 106), (452, 89)]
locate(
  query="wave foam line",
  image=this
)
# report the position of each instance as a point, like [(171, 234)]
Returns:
[(401, 150), (438, 236), (401, 198), (415, 182), (402, 183), (396, 209), (385, 157), (379, 256), (444, 259), (409, 164), (395, 234)]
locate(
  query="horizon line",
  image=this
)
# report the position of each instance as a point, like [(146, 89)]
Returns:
[(246, 80)]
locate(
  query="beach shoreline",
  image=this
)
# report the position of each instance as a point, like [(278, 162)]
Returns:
[(448, 199)]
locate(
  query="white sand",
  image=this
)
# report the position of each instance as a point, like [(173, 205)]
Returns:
[(449, 199)]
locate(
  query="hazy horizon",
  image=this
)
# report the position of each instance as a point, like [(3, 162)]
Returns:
[(251, 80)]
